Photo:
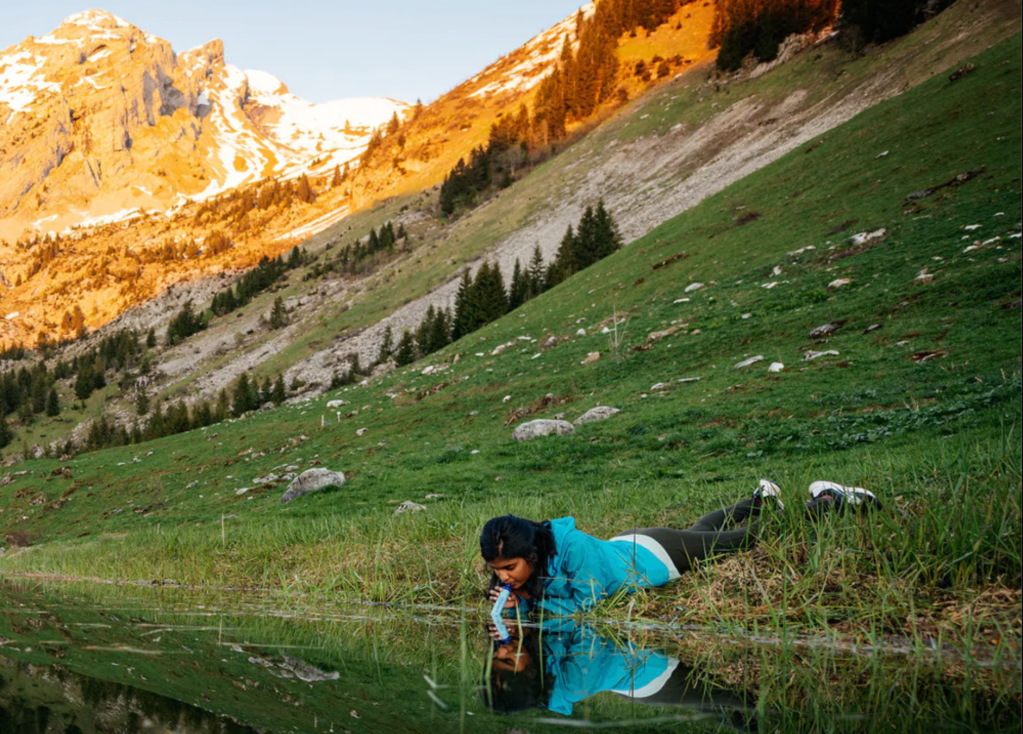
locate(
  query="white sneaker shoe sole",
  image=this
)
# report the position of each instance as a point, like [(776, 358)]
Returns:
[(852, 495), (768, 488)]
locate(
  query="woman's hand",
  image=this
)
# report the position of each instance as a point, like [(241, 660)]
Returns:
[(513, 598)]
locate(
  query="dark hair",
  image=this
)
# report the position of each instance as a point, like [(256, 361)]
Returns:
[(515, 537), (507, 691)]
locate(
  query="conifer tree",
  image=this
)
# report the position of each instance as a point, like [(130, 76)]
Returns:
[(406, 353), (223, 408), (393, 124), (519, 291), (536, 273), (6, 434), (336, 179), (564, 261), (608, 239), (386, 345), (463, 307), (278, 314), (424, 331), (141, 403), (491, 297), (244, 396), (304, 191), (278, 395), (440, 330), (52, 404)]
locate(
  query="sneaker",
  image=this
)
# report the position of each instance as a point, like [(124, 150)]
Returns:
[(853, 496), (770, 493)]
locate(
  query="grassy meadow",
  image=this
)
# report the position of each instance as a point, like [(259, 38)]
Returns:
[(921, 404)]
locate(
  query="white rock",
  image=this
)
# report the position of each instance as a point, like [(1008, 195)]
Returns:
[(581, 332), (408, 506), (682, 300), (600, 413), (747, 316), (839, 282), (312, 480), (659, 386), (923, 277), (777, 270), (689, 379), (811, 355), (336, 403), (971, 227), (862, 238), (750, 361), (776, 367), (506, 399), (541, 427), (693, 287), (360, 432)]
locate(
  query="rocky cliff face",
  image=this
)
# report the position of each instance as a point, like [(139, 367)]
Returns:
[(101, 118)]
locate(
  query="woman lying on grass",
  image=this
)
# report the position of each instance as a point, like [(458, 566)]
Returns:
[(555, 568)]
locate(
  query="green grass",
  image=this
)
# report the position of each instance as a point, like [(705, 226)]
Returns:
[(938, 440)]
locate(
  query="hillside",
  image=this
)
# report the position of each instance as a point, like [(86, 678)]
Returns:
[(899, 230), (661, 154), (129, 189)]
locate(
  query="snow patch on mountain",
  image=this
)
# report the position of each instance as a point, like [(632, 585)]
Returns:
[(541, 53), (339, 130), (21, 81)]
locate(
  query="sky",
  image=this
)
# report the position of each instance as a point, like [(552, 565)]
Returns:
[(327, 49)]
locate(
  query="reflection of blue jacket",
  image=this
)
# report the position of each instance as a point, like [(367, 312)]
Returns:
[(581, 664), (585, 570)]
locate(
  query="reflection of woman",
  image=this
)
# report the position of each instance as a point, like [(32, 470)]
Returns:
[(561, 665)]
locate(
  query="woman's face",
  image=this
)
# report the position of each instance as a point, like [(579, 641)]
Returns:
[(513, 571)]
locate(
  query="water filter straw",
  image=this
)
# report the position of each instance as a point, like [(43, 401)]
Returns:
[(502, 599), (498, 610)]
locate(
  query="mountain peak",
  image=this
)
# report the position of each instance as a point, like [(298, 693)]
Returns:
[(97, 20)]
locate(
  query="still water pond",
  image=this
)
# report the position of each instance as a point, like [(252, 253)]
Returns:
[(82, 660)]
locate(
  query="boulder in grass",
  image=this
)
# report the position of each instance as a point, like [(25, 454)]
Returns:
[(312, 480), (826, 330), (408, 506), (600, 413), (541, 427)]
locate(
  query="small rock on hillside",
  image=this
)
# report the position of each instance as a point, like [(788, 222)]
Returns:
[(408, 506), (312, 480), (542, 427), (600, 413)]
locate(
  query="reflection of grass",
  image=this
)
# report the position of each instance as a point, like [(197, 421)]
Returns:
[(938, 440), (200, 647)]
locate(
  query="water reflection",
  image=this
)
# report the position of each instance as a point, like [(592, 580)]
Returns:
[(564, 663), (89, 660)]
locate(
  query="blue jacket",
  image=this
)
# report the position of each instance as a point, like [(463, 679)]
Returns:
[(585, 570), (582, 664)]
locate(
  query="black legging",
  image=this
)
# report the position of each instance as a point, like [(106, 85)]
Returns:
[(706, 536), (710, 534)]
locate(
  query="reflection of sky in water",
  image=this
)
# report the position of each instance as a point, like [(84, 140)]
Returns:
[(192, 665)]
